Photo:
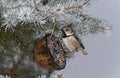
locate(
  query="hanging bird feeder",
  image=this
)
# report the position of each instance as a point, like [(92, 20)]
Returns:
[(49, 53)]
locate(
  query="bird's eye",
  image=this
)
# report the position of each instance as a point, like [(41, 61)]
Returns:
[(66, 29)]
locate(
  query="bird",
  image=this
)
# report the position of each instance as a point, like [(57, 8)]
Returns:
[(71, 41)]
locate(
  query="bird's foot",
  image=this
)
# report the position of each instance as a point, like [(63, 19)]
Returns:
[(84, 52)]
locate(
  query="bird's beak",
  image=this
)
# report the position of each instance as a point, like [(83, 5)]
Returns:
[(63, 33)]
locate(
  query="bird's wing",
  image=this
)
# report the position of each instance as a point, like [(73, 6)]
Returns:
[(80, 42)]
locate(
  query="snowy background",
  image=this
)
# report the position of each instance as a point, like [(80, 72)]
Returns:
[(103, 60)]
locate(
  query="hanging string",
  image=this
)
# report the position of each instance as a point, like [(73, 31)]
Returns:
[(54, 26)]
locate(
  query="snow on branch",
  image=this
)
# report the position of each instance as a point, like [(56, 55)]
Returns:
[(38, 11)]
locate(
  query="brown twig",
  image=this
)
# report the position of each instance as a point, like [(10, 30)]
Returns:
[(35, 5), (74, 7), (59, 76), (13, 7), (77, 6)]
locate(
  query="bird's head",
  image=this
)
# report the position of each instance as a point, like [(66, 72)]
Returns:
[(67, 31)]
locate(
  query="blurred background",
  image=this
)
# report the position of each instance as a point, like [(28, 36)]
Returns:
[(103, 60)]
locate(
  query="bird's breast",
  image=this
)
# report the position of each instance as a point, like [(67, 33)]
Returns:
[(71, 42)]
